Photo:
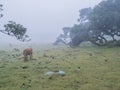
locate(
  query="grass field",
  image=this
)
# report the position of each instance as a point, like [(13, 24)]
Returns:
[(86, 68)]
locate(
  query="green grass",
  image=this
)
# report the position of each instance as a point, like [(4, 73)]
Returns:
[(86, 68)]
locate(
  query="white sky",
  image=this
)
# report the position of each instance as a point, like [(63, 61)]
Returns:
[(44, 19)]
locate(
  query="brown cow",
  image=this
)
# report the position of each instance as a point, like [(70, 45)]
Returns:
[(26, 52)]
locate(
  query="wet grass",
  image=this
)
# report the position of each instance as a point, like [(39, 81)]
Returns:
[(86, 68)]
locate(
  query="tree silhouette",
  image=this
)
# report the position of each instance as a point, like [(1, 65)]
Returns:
[(13, 29), (100, 25)]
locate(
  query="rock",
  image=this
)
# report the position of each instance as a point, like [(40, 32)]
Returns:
[(59, 72)]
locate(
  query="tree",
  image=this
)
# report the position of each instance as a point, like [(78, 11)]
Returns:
[(98, 25), (84, 14), (1, 15), (63, 38), (105, 18), (14, 29)]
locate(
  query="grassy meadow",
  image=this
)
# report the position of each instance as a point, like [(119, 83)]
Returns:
[(85, 67)]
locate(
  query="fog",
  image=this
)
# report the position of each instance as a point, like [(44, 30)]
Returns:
[(44, 19)]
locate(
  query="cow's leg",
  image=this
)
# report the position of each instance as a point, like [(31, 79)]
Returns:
[(31, 57), (25, 58)]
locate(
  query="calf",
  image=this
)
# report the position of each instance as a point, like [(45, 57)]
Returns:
[(26, 52)]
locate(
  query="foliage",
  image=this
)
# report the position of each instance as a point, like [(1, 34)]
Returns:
[(78, 34), (1, 15), (62, 38), (99, 25), (15, 30), (105, 18), (84, 14)]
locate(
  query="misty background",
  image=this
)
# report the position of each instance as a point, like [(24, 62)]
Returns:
[(44, 19)]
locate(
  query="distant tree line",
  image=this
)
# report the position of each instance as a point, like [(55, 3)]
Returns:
[(13, 29), (99, 25)]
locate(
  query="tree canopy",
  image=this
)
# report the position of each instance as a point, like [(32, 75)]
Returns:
[(99, 25), (13, 29)]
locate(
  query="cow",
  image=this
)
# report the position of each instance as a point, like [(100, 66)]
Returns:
[(26, 52)]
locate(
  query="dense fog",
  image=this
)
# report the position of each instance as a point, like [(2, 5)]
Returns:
[(44, 19)]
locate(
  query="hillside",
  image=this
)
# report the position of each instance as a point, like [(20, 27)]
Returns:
[(85, 68)]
